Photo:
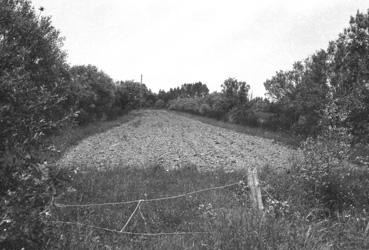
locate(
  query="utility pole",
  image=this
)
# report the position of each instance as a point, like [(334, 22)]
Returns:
[(141, 94)]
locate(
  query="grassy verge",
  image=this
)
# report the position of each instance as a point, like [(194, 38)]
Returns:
[(281, 137), (288, 222)]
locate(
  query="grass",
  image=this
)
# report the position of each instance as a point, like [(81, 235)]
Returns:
[(278, 136), (288, 222)]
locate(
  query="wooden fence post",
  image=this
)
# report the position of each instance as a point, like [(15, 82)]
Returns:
[(255, 192)]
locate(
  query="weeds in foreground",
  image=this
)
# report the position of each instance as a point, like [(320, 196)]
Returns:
[(225, 214)]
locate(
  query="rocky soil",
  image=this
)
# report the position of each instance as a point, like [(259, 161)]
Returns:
[(162, 137)]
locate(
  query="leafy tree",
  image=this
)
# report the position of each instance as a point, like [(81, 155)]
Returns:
[(219, 104), (187, 90), (235, 91), (131, 94), (311, 94), (349, 74), (340, 75), (197, 89), (35, 101), (259, 104), (33, 73), (243, 93), (31, 45), (94, 90), (299, 95), (282, 86), (162, 95)]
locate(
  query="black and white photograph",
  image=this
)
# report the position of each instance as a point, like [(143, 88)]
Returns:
[(184, 125)]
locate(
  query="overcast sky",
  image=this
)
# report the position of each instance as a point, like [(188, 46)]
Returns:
[(174, 42)]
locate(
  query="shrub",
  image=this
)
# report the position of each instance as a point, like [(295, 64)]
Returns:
[(115, 112), (191, 105), (219, 104), (94, 91), (242, 115), (327, 176), (287, 199), (26, 197), (159, 104), (131, 95), (175, 105), (35, 101), (205, 109)]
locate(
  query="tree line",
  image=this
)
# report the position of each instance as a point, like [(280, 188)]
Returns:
[(329, 88)]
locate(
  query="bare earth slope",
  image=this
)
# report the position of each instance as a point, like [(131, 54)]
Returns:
[(174, 141)]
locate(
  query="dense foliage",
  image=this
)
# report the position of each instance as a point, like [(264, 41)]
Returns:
[(131, 94), (298, 97), (35, 101), (39, 95), (338, 76), (233, 103), (94, 91), (187, 90)]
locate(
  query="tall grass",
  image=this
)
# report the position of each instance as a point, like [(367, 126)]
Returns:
[(288, 222)]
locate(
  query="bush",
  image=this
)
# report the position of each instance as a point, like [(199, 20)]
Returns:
[(94, 91), (159, 104), (219, 104), (190, 105), (115, 112), (131, 95), (26, 198), (287, 199), (205, 109), (243, 116), (35, 101), (175, 105), (327, 176)]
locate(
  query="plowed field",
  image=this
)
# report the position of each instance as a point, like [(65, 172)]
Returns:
[(172, 140)]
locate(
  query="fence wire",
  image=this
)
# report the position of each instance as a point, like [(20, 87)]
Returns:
[(148, 200), (122, 231)]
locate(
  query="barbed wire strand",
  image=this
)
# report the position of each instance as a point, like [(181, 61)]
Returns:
[(147, 200), (125, 232)]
